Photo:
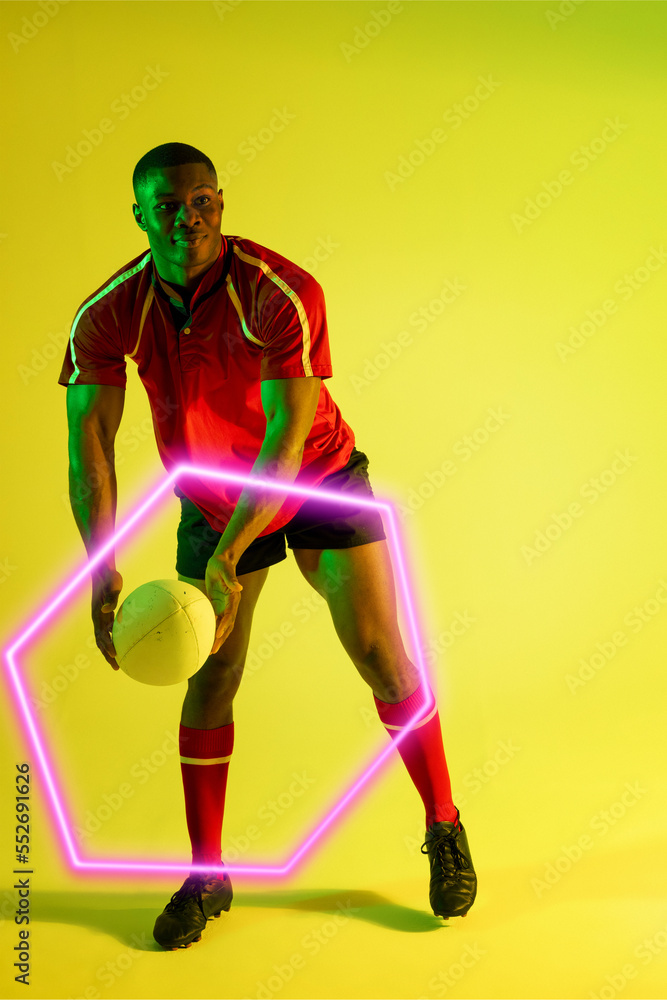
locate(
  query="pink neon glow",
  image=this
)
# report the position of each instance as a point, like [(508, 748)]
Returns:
[(62, 825)]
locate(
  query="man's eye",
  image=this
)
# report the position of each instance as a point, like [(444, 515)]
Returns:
[(169, 205)]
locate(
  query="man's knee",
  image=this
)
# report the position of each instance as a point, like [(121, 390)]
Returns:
[(220, 669), (378, 658), (371, 653)]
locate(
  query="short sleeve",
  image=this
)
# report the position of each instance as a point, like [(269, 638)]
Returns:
[(293, 328), (94, 354)]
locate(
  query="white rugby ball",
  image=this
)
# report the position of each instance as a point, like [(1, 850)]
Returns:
[(163, 632)]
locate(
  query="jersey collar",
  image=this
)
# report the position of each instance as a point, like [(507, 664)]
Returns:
[(215, 275)]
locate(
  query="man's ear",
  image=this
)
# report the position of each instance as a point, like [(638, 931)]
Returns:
[(139, 217), (222, 201)]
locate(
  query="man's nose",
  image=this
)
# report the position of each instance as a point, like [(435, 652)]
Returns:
[(186, 216)]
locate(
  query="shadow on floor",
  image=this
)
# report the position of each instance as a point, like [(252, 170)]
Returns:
[(129, 917), (505, 894)]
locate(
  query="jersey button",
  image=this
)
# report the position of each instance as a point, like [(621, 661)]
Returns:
[(185, 329)]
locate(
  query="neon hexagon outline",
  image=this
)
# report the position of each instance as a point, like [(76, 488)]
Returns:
[(53, 795)]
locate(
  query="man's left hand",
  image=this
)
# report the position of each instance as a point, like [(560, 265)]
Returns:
[(224, 593)]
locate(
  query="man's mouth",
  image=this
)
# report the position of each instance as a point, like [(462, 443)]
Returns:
[(189, 241)]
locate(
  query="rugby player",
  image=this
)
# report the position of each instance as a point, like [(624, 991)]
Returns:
[(231, 344)]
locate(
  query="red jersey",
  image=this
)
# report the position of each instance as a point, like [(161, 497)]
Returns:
[(255, 315)]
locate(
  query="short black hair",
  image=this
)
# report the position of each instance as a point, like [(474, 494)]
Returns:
[(169, 154)]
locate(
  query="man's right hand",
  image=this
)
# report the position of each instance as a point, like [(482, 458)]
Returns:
[(107, 585)]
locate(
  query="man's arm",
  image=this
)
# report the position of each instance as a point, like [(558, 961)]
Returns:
[(93, 415), (289, 405)]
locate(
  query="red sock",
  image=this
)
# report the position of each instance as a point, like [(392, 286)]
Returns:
[(205, 757), (422, 752)]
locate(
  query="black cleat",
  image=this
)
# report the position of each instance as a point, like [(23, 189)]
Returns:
[(453, 885), (184, 917)]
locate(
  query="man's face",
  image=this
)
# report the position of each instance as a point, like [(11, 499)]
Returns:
[(180, 212)]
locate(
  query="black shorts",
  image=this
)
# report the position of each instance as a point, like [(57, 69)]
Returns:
[(317, 524)]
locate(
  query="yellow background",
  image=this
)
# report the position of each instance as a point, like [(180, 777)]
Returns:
[(364, 102)]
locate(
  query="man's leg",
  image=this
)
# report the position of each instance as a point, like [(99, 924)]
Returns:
[(363, 609), (207, 727), (364, 613), (206, 740)]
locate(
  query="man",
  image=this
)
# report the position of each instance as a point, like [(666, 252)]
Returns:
[(231, 344)]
